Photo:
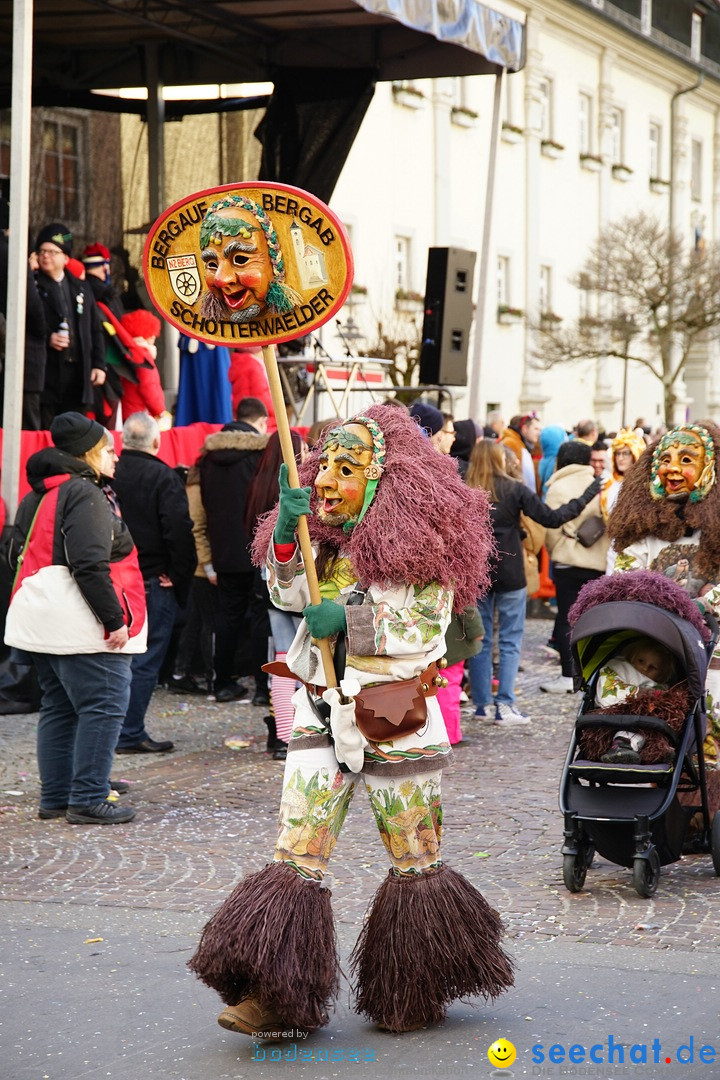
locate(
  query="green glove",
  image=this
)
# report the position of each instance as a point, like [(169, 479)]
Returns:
[(293, 503), (325, 619)]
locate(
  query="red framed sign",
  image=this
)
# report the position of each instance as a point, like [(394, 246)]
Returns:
[(253, 263)]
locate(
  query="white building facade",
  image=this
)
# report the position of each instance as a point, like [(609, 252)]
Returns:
[(610, 115)]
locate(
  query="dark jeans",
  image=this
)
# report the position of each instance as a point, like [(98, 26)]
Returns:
[(569, 580), (84, 699), (234, 597), (161, 611), (199, 630)]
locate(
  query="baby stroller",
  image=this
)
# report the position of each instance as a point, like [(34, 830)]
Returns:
[(630, 813)]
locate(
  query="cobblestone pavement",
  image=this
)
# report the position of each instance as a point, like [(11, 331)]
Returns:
[(207, 813)]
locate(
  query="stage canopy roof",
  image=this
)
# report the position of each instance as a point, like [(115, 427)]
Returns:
[(84, 45)]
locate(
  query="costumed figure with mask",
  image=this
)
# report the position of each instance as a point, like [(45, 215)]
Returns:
[(666, 519), (400, 543), (625, 449)]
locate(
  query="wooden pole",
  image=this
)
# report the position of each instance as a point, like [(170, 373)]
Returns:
[(283, 427)]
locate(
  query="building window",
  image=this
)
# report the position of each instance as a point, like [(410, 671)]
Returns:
[(402, 263), (62, 151), (545, 290), (545, 99), (696, 36), (646, 16), (654, 149), (503, 281), (696, 169), (458, 92), (617, 124), (585, 123)]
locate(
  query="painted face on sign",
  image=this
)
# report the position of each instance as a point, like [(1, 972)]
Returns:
[(681, 463), (341, 480), (238, 271)]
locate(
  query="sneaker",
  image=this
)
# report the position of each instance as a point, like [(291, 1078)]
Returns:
[(621, 753), (509, 716), (99, 813), (481, 713), (562, 685), (50, 813)]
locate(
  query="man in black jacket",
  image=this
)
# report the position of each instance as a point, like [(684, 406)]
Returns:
[(75, 345), (155, 508), (228, 464)]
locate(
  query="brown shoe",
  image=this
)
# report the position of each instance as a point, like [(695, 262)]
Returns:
[(251, 1018)]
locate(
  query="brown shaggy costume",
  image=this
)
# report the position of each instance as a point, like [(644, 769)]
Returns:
[(429, 937), (669, 705), (423, 524), (636, 515)]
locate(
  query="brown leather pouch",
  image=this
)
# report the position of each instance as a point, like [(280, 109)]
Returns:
[(393, 709)]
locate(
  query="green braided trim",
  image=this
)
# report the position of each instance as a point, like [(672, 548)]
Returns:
[(226, 228)]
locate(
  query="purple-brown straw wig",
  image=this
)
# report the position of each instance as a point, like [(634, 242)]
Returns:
[(644, 585), (423, 524), (636, 515)]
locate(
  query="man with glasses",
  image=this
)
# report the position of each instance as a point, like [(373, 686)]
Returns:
[(75, 346)]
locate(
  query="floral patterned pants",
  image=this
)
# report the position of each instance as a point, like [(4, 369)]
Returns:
[(315, 800)]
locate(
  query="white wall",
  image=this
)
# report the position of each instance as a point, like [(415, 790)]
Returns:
[(412, 172)]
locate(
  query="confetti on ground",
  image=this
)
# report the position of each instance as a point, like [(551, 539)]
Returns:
[(92, 940)]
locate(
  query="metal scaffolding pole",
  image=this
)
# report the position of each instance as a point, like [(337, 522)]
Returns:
[(17, 251)]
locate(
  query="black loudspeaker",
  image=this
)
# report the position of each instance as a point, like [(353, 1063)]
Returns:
[(448, 316)]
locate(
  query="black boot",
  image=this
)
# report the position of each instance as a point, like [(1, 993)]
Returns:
[(272, 738), (280, 751)]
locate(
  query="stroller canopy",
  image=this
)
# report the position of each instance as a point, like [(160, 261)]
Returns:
[(603, 630)]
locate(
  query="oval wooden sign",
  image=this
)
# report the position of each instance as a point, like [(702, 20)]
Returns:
[(253, 263)]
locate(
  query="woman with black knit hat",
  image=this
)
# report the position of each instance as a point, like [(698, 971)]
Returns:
[(78, 607)]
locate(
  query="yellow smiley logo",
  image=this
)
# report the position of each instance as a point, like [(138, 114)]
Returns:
[(501, 1054)]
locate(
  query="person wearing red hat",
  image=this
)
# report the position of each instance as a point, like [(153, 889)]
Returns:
[(145, 395)]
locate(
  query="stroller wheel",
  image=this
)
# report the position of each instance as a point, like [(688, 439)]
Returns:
[(715, 842), (574, 870), (646, 873)]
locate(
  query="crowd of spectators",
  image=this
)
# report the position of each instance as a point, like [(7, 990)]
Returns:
[(209, 621)]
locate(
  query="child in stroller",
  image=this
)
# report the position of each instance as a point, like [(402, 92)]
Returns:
[(643, 664)]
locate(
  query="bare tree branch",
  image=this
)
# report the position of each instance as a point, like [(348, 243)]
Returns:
[(652, 299)]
